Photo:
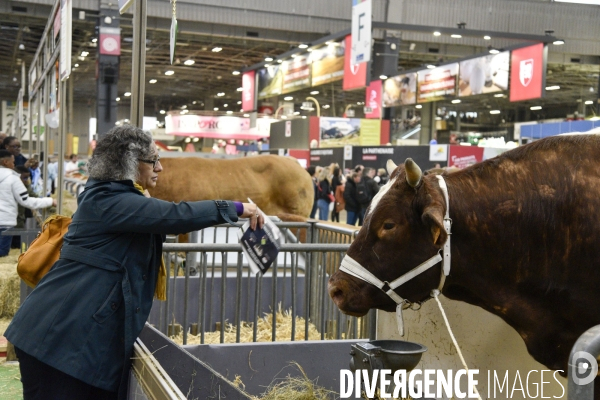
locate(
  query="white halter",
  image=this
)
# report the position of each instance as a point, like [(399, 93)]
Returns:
[(351, 267)]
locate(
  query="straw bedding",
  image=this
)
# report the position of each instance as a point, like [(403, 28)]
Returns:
[(9, 284)]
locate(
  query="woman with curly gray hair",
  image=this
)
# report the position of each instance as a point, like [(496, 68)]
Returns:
[(74, 334)]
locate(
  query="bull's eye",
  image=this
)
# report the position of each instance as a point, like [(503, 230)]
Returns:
[(388, 225)]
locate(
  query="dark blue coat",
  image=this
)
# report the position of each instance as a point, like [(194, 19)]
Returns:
[(84, 316)]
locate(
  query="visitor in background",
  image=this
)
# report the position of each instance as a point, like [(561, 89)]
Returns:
[(312, 171), (324, 190), (336, 181), (13, 145), (353, 208), (71, 166)]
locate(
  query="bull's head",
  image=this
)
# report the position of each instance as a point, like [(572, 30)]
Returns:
[(403, 228)]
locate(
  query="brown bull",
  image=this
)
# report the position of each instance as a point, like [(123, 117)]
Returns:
[(525, 231), (278, 185)]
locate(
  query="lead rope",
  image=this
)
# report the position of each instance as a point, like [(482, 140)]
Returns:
[(435, 293)]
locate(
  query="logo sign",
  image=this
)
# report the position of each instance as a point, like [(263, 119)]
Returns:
[(110, 41), (212, 127), (355, 75), (373, 100), (528, 72), (288, 128), (464, 156), (361, 31), (248, 91), (348, 152), (307, 105), (584, 368)]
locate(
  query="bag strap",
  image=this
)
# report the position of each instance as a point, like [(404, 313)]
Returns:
[(90, 257), (223, 206)]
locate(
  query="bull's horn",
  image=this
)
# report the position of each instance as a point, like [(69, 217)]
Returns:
[(390, 166), (413, 172)]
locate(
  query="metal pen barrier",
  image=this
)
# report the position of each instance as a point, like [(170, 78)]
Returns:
[(203, 299)]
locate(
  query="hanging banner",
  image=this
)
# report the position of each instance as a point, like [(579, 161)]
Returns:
[(355, 76), (487, 74), (327, 63), (370, 132), (361, 31), (110, 41), (296, 74), (211, 127), (10, 112), (528, 72), (435, 84), (270, 81), (373, 100), (248, 87), (400, 90), (464, 156), (66, 22)]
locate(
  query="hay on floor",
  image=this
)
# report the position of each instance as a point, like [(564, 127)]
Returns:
[(9, 284), (297, 388)]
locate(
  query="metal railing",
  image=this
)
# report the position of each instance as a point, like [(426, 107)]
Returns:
[(210, 285)]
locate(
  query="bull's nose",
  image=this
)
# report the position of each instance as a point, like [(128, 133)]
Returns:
[(335, 292)]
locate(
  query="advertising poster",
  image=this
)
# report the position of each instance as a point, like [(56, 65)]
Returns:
[(400, 90), (355, 75), (296, 74), (435, 84), (373, 100), (485, 74), (270, 81), (464, 156), (528, 72), (438, 152), (248, 80), (211, 127), (337, 132), (327, 64), (370, 132)]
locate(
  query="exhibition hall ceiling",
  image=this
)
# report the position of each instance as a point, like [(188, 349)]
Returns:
[(211, 72)]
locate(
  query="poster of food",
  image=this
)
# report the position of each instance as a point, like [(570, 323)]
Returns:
[(400, 90), (296, 74), (485, 74), (327, 63), (270, 81), (435, 84), (337, 132)]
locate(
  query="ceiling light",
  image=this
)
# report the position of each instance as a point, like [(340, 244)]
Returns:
[(436, 33), (294, 55), (229, 112), (279, 61), (94, 40), (187, 139), (84, 54), (494, 111), (107, 20), (184, 106), (304, 117), (127, 94), (189, 62), (589, 102), (302, 46), (239, 102), (169, 72), (591, 89), (225, 105), (152, 81), (184, 111), (309, 50), (21, 46), (431, 66), (326, 106), (76, 65), (455, 101), (246, 115), (216, 49), (535, 108), (235, 73), (314, 92), (555, 87), (383, 77), (267, 65), (456, 36), (418, 106), (196, 139), (288, 98), (221, 94), (118, 99), (240, 89), (216, 108), (284, 117), (494, 51), (486, 37), (268, 59), (499, 95), (162, 111), (558, 42)]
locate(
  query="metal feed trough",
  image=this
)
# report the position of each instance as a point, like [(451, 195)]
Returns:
[(210, 285)]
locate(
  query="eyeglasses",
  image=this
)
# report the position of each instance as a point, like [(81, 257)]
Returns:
[(15, 146), (153, 162)]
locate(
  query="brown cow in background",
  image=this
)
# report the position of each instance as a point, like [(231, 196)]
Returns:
[(278, 185)]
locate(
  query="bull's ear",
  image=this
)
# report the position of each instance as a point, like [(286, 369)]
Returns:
[(433, 218)]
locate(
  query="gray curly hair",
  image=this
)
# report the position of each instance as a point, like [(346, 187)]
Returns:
[(117, 153)]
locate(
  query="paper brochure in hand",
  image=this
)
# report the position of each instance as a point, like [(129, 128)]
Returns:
[(261, 246)]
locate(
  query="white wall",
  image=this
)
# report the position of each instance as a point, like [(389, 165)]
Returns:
[(487, 344)]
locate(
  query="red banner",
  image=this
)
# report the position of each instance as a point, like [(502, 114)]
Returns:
[(373, 100), (527, 72), (248, 90), (464, 156), (355, 76)]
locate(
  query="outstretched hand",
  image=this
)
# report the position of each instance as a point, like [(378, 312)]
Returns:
[(251, 212)]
